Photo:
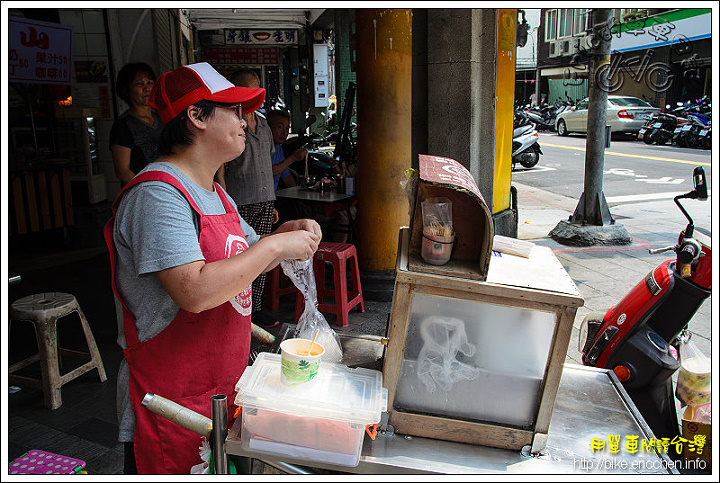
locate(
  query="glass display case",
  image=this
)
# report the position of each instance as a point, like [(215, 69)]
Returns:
[(479, 361)]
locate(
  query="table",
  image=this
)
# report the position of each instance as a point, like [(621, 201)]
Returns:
[(591, 403), (318, 198)]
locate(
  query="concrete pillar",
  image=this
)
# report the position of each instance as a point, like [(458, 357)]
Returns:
[(467, 103), (384, 44)]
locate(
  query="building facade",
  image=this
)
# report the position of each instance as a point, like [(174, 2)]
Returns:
[(660, 55)]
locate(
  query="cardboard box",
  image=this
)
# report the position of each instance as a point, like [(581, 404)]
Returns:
[(690, 429)]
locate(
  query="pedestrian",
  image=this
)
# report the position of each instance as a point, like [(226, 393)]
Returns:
[(134, 135), (182, 264), (249, 181)]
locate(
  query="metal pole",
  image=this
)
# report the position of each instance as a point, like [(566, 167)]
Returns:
[(219, 433), (592, 208)]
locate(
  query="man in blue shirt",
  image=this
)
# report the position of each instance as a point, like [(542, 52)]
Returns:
[(279, 122)]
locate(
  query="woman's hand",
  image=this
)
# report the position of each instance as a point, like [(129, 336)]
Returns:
[(306, 224), (296, 244)]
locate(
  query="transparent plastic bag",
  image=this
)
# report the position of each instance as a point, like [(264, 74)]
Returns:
[(444, 344), (694, 377), (302, 276)]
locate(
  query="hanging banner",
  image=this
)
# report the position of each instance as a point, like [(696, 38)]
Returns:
[(260, 37), (39, 52)]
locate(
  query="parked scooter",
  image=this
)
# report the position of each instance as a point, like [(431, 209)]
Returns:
[(633, 338), (688, 135), (659, 128), (525, 147), (705, 136)]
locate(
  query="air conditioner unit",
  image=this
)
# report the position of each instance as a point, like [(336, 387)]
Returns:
[(553, 49), (584, 44), (565, 47)]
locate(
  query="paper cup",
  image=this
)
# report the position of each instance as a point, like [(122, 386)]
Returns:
[(299, 367), (694, 382)]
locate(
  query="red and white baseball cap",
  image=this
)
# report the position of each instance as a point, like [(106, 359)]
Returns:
[(174, 91)]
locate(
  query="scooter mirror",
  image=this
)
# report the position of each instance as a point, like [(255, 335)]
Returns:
[(310, 120), (699, 183)]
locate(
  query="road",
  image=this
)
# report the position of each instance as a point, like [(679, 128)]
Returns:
[(634, 172)]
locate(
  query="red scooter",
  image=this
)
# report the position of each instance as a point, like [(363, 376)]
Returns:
[(633, 338)]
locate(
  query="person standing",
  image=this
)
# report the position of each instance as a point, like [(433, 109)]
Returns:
[(249, 180), (182, 262), (134, 135)]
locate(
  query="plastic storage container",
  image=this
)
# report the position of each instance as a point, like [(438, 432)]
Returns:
[(322, 421)]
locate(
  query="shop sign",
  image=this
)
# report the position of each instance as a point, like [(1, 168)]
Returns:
[(260, 37), (240, 55), (39, 52)]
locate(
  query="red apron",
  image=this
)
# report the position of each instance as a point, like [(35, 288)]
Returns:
[(195, 357)]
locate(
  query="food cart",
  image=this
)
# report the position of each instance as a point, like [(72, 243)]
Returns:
[(471, 375)]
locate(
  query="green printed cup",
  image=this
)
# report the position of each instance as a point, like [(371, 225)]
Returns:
[(299, 363)]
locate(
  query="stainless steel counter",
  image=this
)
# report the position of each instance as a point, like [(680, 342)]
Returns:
[(591, 405)]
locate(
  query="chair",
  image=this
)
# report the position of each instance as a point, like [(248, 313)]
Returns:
[(340, 255), (44, 310)]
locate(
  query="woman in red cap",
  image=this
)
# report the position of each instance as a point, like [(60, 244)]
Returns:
[(183, 262)]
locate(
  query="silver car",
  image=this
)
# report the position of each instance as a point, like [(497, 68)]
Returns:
[(624, 114)]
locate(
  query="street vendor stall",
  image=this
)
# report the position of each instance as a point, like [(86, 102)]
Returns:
[(473, 378)]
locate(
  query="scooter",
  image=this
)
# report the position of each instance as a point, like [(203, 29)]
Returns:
[(525, 147), (659, 128), (633, 338)]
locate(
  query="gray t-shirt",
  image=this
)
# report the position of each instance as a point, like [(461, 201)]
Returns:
[(249, 177), (155, 228)]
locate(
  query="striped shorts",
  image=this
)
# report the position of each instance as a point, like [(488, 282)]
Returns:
[(260, 217)]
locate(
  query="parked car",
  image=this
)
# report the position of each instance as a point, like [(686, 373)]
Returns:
[(624, 114)]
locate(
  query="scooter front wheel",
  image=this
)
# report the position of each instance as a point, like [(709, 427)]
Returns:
[(532, 159)]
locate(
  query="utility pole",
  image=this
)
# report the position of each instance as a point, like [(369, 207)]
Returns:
[(592, 223)]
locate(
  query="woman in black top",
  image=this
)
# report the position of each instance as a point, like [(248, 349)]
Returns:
[(134, 135)]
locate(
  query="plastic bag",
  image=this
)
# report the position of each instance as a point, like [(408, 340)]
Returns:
[(437, 216), (444, 343), (302, 276), (693, 384), (204, 467)]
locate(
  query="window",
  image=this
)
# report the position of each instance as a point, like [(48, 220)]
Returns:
[(629, 102), (551, 24), (565, 22), (580, 21), (582, 104)]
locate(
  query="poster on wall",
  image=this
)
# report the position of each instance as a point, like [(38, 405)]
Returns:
[(39, 52)]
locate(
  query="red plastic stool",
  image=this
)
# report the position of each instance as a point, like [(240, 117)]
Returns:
[(279, 284), (340, 255)]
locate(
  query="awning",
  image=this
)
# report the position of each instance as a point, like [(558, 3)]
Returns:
[(252, 18)]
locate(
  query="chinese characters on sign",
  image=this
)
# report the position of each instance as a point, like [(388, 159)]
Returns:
[(39, 52), (447, 171), (260, 37)]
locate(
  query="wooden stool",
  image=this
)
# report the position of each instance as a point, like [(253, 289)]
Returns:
[(44, 310), (340, 255)]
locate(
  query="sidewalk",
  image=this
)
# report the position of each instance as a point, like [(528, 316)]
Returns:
[(85, 426), (605, 274)]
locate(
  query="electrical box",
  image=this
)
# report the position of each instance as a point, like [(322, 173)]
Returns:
[(320, 75)]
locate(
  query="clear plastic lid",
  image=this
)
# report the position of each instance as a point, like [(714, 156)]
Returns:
[(337, 392)]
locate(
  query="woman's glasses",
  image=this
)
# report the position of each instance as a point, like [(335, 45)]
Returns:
[(237, 108)]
